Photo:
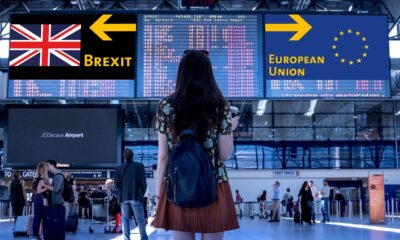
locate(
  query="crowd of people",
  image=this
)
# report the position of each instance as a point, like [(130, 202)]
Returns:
[(310, 200), (128, 191), (47, 192)]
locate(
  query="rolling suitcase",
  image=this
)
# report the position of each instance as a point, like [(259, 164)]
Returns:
[(71, 224), (297, 218), (23, 226), (54, 223)]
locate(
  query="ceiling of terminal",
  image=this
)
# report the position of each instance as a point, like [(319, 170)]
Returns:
[(390, 7)]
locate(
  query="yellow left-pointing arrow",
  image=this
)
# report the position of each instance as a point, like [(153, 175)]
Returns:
[(100, 27), (301, 27)]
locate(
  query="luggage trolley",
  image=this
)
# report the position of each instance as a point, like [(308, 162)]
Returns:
[(249, 209), (238, 209), (262, 206), (100, 208)]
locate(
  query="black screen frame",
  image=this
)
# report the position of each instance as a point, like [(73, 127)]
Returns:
[(75, 165)]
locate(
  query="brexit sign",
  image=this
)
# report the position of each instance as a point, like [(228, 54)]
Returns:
[(45, 45), (91, 46), (326, 47)]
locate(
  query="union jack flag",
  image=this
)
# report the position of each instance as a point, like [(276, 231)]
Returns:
[(45, 45)]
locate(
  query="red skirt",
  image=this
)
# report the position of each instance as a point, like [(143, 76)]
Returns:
[(219, 216)]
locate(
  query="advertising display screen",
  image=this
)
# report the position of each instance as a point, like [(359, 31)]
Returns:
[(73, 136)]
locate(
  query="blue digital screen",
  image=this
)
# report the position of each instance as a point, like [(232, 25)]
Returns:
[(234, 42), (326, 56), (64, 89)]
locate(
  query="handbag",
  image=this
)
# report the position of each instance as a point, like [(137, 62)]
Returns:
[(310, 204)]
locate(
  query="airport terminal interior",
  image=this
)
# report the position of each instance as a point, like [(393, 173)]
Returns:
[(315, 83)]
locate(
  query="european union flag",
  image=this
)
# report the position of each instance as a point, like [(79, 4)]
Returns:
[(340, 47)]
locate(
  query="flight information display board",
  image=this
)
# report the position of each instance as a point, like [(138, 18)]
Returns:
[(326, 56), (234, 42), (71, 89)]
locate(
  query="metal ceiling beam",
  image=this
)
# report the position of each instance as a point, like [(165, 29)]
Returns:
[(165, 4), (15, 7)]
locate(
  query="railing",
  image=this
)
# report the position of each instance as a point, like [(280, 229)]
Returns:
[(392, 209)]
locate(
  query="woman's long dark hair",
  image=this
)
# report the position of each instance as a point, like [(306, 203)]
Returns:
[(199, 102), (305, 184)]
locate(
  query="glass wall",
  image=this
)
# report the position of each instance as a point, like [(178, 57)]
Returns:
[(288, 134)]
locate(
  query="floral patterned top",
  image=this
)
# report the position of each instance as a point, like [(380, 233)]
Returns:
[(163, 124)]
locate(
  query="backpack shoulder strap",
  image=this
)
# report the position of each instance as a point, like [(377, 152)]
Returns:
[(63, 181), (60, 174)]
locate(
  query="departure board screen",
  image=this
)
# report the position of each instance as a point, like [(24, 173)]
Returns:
[(326, 56), (71, 89), (234, 42)]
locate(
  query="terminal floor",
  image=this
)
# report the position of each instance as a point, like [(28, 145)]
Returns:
[(253, 229)]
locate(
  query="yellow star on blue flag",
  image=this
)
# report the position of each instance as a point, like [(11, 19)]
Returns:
[(346, 41)]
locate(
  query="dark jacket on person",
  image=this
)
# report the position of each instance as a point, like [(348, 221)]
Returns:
[(306, 195), (16, 192), (132, 185), (339, 197)]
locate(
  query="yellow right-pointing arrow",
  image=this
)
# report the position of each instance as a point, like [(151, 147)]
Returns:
[(301, 27)]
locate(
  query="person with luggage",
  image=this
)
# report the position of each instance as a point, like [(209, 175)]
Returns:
[(288, 202), (306, 202), (71, 221), (70, 206), (54, 215), (16, 189), (131, 181), (198, 114), (42, 197), (114, 207)]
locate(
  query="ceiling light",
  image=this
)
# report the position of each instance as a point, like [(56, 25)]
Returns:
[(262, 104)]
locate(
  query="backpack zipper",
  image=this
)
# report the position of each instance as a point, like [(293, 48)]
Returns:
[(175, 174)]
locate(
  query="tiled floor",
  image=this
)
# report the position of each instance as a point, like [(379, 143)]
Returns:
[(256, 229)]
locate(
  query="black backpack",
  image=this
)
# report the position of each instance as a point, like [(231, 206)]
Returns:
[(67, 192), (191, 178)]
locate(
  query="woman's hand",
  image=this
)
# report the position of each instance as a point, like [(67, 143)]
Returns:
[(235, 122)]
